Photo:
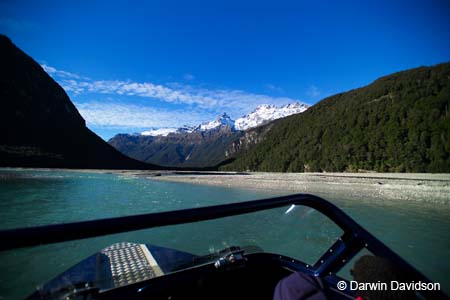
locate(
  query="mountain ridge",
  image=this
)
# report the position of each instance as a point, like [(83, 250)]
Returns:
[(260, 115), (204, 145)]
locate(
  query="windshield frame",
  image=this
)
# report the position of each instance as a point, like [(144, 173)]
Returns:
[(40, 235)]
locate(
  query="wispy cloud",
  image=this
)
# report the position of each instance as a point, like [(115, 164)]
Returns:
[(313, 92), (144, 89), (216, 99), (185, 104), (62, 74), (119, 115)]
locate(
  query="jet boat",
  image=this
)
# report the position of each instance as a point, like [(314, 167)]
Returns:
[(247, 267)]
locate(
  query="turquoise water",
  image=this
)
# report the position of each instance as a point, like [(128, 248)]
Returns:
[(418, 232)]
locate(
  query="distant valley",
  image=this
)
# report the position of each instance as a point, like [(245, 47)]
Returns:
[(205, 145)]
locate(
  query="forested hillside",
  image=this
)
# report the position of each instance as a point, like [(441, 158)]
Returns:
[(399, 123)]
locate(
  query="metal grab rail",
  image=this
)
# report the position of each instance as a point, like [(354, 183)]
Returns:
[(40, 235)]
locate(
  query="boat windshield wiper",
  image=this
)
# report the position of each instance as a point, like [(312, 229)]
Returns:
[(232, 255)]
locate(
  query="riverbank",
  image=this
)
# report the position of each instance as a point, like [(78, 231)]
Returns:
[(433, 188), (419, 187)]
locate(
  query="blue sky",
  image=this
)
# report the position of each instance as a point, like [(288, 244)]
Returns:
[(131, 65)]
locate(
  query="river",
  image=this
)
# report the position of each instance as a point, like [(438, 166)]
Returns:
[(417, 231)]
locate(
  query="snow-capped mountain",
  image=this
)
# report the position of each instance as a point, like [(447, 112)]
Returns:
[(167, 131), (185, 129), (262, 114), (265, 113), (159, 131), (223, 120), (204, 145)]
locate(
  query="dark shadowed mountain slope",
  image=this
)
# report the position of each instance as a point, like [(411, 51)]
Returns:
[(399, 123), (40, 126), (193, 149)]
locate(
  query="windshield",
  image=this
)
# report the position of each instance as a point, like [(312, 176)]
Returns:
[(298, 232)]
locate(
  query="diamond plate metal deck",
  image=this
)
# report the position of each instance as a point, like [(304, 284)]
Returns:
[(130, 263)]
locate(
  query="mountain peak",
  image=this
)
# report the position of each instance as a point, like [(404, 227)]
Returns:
[(266, 112), (222, 120), (262, 114), (224, 116)]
